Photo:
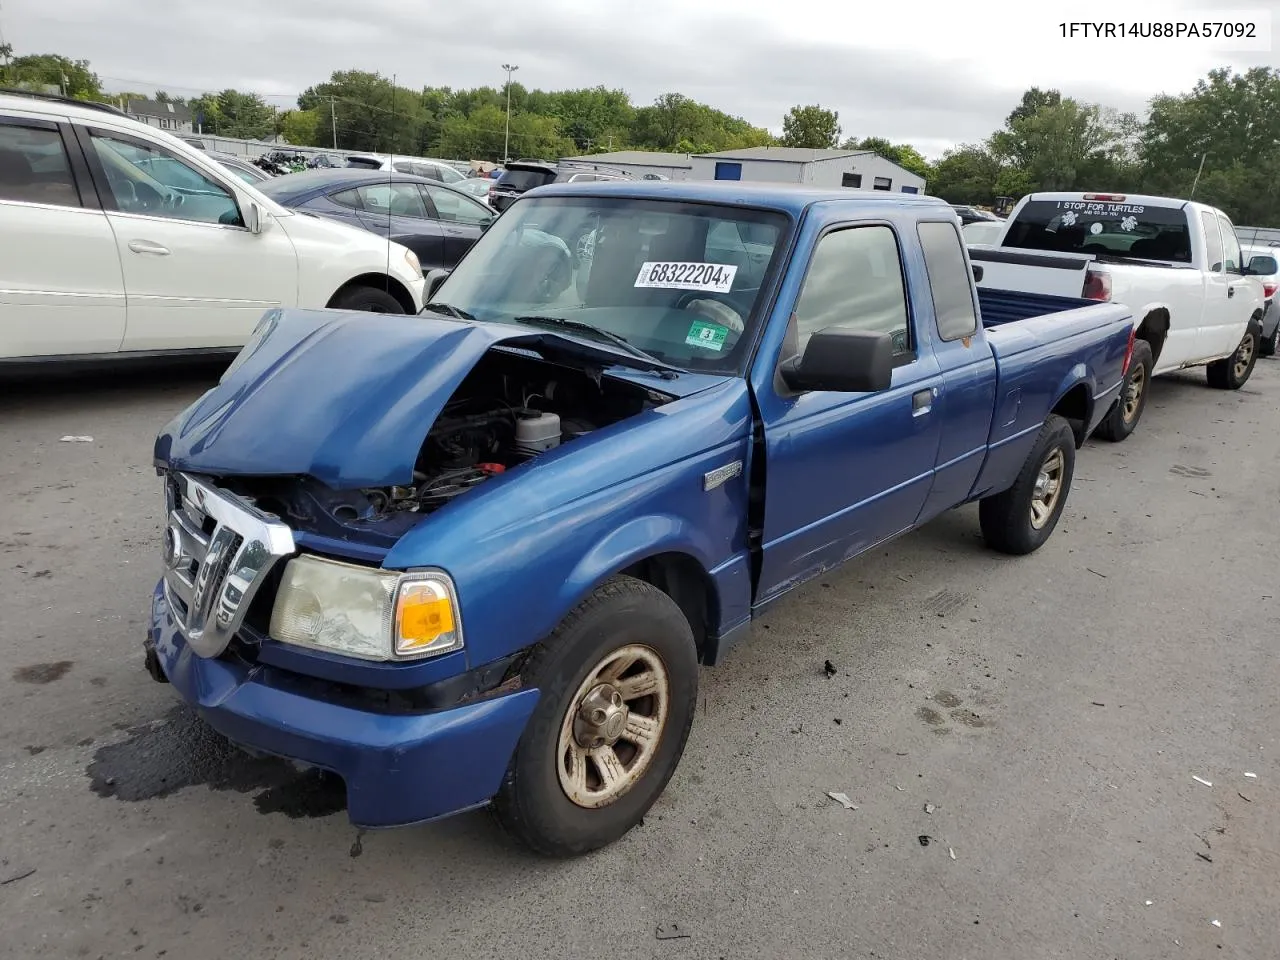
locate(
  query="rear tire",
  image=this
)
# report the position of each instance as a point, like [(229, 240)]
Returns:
[(367, 299), (1019, 520), (1234, 371), (556, 797), (1268, 346), (1122, 419)]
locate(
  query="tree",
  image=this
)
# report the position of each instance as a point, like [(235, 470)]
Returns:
[(1032, 102), (235, 114), (372, 114), (303, 128), (967, 174), (811, 126), (72, 78)]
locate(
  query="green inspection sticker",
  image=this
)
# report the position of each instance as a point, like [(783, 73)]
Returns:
[(709, 336)]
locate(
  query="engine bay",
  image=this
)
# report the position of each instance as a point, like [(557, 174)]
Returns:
[(510, 409)]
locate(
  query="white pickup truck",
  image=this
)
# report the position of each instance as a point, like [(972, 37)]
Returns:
[(1175, 263)]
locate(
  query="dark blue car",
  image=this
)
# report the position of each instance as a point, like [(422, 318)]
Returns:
[(478, 555), (436, 222)]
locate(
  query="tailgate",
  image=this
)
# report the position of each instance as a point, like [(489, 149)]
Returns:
[(1055, 274)]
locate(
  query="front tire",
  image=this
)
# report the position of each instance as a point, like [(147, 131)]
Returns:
[(619, 682), (1019, 520), (1122, 419), (1234, 371), (367, 299)]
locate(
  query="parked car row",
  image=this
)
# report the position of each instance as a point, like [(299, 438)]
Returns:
[(123, 241), (631, 418)]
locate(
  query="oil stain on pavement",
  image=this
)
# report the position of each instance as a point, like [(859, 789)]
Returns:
[(179, 750), (43, 672)]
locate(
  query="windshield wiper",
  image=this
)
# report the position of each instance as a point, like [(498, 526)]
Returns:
[(449, 310), (664, 368)]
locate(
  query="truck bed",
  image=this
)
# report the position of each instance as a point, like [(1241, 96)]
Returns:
[(999, 307)]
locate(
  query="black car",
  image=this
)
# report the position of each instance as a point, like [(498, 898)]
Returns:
[(520, 176), (970, 214), (436, 222)]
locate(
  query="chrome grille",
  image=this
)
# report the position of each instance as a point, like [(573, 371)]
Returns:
[(218, 550)]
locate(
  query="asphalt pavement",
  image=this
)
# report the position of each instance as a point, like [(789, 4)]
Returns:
[(1019, 738)]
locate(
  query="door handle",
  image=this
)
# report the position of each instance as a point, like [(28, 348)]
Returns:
[(148, 246), (1231, 292), (922, 401)]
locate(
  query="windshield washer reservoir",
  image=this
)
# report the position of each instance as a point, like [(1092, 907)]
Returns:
[(537, 431)]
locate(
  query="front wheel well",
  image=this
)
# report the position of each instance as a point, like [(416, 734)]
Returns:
[(379, 281), (1076, 407), (1154, 329), (683, 579)]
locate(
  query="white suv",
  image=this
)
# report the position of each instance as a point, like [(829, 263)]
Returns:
[(120, 240)]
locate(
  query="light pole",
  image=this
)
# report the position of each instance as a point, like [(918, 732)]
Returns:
[(506, 141)]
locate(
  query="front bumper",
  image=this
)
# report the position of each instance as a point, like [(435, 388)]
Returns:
[(398, 769)]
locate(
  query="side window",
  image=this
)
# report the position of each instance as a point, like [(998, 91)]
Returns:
[(1212, 242), (851, 180), (456, 207), (882, 183), (347, 198), (34, 167), (145, 179), (394, 199), (855, 280), (1230, 246), (948, 280)]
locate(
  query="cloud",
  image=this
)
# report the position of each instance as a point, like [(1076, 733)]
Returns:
[(947, 76)]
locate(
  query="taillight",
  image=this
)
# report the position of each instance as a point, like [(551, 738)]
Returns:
[(1269, 290), (1097, 285), (1128, 351)]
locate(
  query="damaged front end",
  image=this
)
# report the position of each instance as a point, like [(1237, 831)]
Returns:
[(329, 439)]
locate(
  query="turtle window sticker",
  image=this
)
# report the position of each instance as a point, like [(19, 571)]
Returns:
[(1069, 218), (1129, 223)]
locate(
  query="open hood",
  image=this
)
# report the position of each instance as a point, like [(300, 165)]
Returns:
[(346, 398)]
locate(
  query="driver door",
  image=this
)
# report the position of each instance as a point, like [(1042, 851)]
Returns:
[(194, 276)]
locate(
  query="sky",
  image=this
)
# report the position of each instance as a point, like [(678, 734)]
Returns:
[(928, 73)]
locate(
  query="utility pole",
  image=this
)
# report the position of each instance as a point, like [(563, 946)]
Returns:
[(333, 118), (1196, 182), (506, 141)]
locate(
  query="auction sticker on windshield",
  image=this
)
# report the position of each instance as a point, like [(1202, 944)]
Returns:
[(711, 277)]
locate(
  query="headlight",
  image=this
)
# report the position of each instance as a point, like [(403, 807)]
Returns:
[(411, 258), (366, 613)]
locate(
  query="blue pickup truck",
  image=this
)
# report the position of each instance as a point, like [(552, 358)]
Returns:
[(476, 557)]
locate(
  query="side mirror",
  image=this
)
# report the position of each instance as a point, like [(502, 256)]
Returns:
[(487, 223), (977, 272), (253, 219), (842, 361), (434, 279)]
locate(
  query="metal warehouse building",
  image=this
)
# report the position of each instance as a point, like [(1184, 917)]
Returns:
[(860, 169), (637, 163)]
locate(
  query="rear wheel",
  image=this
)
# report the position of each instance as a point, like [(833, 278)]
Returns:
[(619, 682), (1268, 346), (1021, 519), (1233, 372), (369, 299), (1122, 419)]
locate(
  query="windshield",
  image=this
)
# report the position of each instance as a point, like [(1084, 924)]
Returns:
[(1102, 228), (679, 281)]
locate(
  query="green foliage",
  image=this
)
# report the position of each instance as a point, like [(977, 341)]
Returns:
[(234, 114), (1230, 121), (303, 128), (73, 78), (812, 127)]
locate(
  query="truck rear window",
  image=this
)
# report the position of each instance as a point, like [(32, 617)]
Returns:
[(1102, 228), (523, 180)]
